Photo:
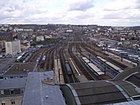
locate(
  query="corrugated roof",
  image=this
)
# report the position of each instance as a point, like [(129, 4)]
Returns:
[(136, 102), (135, 79), (128, 87), (99, 92), (38, 92)]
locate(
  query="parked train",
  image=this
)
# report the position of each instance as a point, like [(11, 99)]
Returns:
[(68, 68), (42, 62)]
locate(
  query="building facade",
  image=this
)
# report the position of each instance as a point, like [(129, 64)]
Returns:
[(11, 91), (12, 47)]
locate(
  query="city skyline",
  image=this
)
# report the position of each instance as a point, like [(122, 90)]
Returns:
[(78, 12)]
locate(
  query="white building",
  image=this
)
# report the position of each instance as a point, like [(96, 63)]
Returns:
[(48, 36), (12, 47), (40, 38)]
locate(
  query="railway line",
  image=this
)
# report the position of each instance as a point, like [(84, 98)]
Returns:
[(75, 61), (93, 63), (102, 65), (89, 74), (49, 65), (62, 60), (34, 56), (99, 52), (46, 62), (107, 66), (68, 73)]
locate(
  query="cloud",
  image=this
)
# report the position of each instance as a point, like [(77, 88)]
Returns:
[(82, 5), (112, 16), (21, 9), (137, 4), (102, 12), (116, 5)]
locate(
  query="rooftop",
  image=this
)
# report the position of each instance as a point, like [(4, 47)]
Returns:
[(41, 90), (103, 92), (12, 83), (99, 92), (124, 89), (127, 103)]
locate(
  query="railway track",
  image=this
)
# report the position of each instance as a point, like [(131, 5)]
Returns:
[(90, 75), (95, 62), (99, 52), (72, 71), (49, 65), (62, 60), (111, 71), (68, 73), (35, 54)]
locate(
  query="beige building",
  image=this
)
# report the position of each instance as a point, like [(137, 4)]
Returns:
[(16, 100), (11, 91), (12, 47), (25, 45)]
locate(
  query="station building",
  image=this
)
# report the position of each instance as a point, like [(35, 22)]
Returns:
[(42, 88)]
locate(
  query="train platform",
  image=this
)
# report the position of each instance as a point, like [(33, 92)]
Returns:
[(58, 71), (77, 72), (82, 78), (124, 61)]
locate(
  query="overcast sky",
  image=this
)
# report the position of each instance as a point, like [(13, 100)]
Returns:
[(100, 12)]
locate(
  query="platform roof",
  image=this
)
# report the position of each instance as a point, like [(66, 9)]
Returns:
[(135, 102), (103, 92)]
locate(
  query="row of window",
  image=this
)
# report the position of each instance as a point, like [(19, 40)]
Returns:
[(11, 91), (12, 102)]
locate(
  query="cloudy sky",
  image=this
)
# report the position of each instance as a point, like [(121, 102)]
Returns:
[(100, 12)]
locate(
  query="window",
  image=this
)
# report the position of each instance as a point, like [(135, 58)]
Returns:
[(12, 91), (22, 91), (17, 91), (3, 103), (7, 92), (1, 91), (13, 102)]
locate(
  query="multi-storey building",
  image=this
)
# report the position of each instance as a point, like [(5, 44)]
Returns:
[(12, 47), (11, 91)]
